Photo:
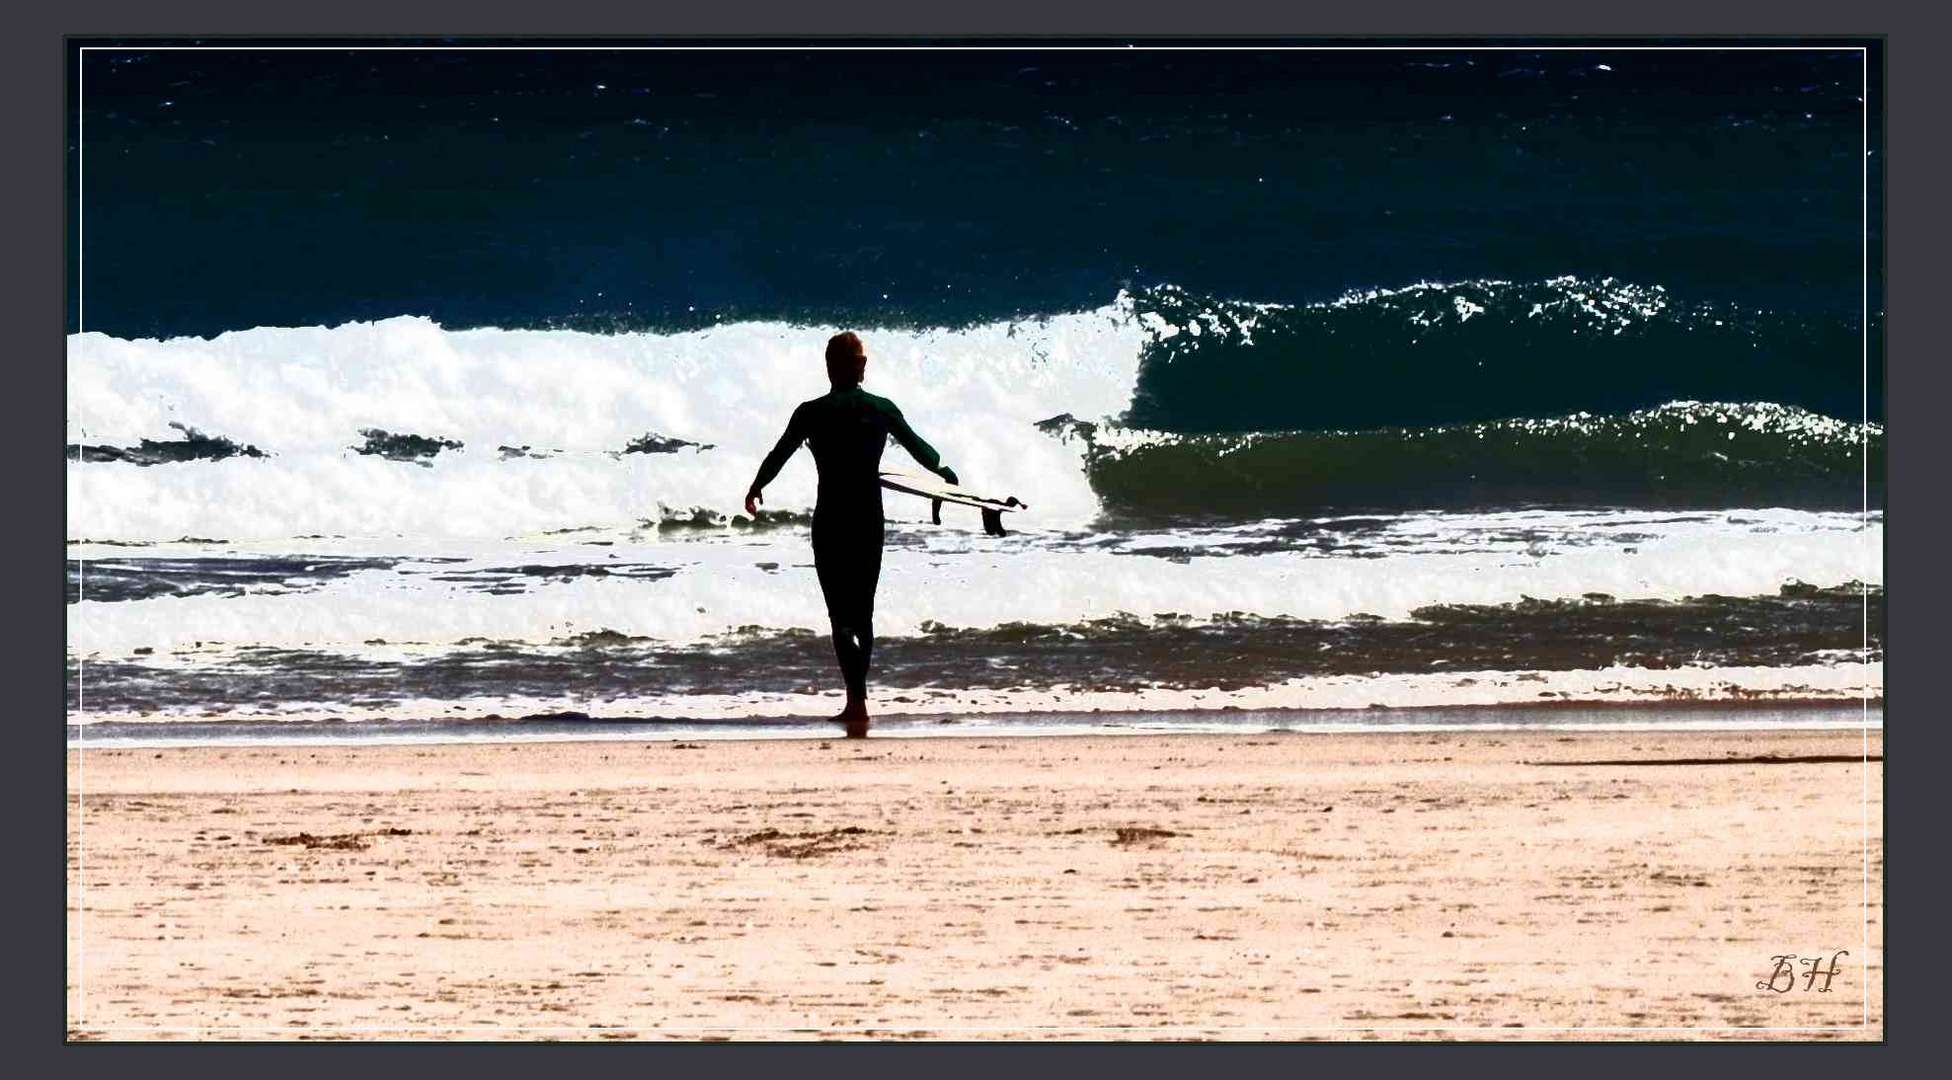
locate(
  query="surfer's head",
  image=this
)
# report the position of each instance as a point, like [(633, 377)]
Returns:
[(847, 359)]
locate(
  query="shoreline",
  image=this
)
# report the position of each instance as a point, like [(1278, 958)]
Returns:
[(1846, 681), (1392, 884), (1805, 714)]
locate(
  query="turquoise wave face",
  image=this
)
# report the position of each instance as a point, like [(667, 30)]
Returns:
[(1681, 455), (1430, 354)]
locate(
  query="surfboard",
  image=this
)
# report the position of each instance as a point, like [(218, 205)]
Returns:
[(939, 491)]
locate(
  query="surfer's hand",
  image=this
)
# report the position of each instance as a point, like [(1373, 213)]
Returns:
[(752, 502), (946, 473)]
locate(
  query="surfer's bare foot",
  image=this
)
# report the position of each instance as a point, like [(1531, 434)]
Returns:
[(855, 719)]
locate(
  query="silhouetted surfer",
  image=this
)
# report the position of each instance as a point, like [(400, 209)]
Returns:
[(847, 429)]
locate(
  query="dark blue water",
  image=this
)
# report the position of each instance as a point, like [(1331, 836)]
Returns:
[(614, 190), (1614, 230)]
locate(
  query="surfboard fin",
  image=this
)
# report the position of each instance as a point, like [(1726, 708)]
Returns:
[(935, 511), (993, 522)]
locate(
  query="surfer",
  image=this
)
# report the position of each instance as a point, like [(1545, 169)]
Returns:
[(847, 429)]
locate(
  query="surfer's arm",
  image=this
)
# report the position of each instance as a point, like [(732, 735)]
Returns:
[(916, 447), (789, 442)]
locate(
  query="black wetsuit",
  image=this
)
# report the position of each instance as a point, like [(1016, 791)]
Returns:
[(847, 431)]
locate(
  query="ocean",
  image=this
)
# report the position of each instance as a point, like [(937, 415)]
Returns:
[(412, 394)]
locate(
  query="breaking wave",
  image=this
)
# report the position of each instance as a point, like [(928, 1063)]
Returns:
[(1160, 402)]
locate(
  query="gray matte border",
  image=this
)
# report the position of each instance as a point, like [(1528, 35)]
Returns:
[(36, 95)]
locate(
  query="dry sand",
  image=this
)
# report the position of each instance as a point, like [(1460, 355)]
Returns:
[(1471, 885)]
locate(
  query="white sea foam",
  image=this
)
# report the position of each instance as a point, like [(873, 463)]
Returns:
[(304, 395), (955, 577)]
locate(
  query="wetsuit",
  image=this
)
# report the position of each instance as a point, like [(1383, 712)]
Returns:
[(847, 431)]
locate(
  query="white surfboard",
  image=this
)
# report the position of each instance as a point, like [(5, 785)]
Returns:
[(939, 491)]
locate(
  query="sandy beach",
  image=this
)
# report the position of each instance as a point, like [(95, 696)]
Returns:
[(1378, 886)]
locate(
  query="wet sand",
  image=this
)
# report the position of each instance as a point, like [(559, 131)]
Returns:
[(1374, 886)]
